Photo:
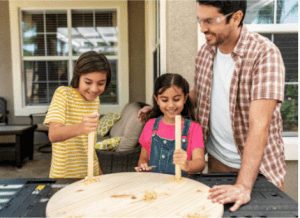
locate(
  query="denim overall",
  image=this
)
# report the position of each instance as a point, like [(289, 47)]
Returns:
[(162, 149)]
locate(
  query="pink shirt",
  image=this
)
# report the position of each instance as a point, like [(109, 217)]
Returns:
[(167, 131)]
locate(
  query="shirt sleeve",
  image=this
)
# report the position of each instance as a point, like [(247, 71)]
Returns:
[(195, 139), (57, 109), (269, 75), (146, 136)]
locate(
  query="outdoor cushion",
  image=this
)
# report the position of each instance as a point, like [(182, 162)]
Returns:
[(128, 128), (106, 122), (108, 144)]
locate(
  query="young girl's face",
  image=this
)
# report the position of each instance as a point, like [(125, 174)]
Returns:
[(91, 85), (171, 103)]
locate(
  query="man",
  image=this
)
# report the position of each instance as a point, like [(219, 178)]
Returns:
[(239, 87)]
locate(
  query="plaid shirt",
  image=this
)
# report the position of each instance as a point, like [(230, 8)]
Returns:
[(259, 74)]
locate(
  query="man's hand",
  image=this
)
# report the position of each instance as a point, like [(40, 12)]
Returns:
[(224, 194), (144, 112)]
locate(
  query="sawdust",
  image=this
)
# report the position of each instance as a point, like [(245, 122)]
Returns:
[(150, 195), (197, 215)]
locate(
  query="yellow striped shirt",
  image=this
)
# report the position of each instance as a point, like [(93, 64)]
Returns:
[(69, 157)]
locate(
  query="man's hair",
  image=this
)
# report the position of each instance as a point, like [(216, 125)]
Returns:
[(226, 7)]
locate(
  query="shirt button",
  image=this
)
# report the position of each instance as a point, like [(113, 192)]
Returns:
[(163, 156), (165, 142)]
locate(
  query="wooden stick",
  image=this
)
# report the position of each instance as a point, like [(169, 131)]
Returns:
[(177, 144), (91, 144)]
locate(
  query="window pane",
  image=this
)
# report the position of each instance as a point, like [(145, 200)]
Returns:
[(260, 12), (33, 33), (43, 38), (94, 30), (57, 44), (42, 78), (111, 94), (288, 45), (287, 11), (289, 108)]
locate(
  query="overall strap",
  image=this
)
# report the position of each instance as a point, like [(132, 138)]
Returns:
[(156, 123), (187, 123)]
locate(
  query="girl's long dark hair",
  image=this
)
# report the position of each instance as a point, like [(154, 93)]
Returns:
[(88, 62), (164, 82)]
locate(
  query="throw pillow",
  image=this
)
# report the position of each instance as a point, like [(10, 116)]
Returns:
[(128, 128), (106, 122), (108, 144)]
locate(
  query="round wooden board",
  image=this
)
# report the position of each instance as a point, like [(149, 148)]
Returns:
[(123, 195)]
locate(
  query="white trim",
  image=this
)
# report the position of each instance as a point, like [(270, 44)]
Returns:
[(163, 36), (123, 63), (150, 31), (272, 28), (291, 148)]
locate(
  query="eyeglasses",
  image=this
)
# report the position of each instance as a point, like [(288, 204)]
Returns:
[(213, 20)]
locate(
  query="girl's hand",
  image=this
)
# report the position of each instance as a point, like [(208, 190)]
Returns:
[(143, 167), (180, 158), (89, 123)]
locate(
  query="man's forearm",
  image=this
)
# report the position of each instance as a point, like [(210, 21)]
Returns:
[(260, 116), (252, 157)]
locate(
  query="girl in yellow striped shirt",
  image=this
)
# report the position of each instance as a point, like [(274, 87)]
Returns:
[(71, 116)]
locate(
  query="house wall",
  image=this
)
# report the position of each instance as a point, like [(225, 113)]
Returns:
[(136, 31), (181, 37)]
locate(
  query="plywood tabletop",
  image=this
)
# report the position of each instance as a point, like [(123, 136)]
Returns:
[(134, 195)]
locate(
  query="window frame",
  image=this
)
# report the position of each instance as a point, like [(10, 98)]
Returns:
[(15, 8)]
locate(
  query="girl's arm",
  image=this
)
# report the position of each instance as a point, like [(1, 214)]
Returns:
[(195, 165), (59, 132)]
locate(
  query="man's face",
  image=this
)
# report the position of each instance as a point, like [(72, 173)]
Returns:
[(213, 24)]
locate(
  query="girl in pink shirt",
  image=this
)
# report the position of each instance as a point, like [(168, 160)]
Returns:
[(171, 98)]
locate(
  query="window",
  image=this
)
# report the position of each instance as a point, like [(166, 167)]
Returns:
[(278, 20), (51, 40)]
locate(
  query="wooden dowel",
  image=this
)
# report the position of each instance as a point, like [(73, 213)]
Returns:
[(177, 144), (91, 143)]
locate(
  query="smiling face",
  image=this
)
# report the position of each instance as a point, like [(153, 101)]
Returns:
[(171, 103), (92, 85), (214, 25)]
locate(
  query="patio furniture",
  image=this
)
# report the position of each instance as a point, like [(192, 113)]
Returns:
[(41, 128), (23, 145), (3, 111)]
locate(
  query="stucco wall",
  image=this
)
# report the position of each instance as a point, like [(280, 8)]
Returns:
[(6, 89), (136, 31), (181, 35)]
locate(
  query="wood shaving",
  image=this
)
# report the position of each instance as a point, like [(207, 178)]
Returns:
[(150, 195), (89, 180), (123, 196)]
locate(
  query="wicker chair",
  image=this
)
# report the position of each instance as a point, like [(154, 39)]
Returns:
[(126, 156), (122, 161)]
